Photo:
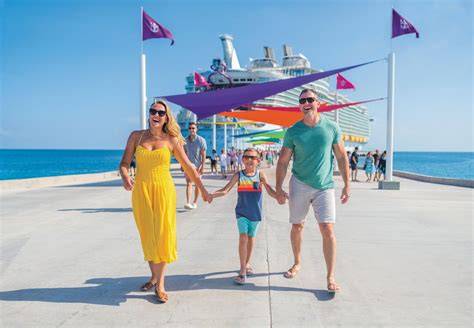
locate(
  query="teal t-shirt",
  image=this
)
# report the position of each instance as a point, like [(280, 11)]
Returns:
[(312, 152)]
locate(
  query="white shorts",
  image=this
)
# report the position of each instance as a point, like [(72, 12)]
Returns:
[(303, 195)]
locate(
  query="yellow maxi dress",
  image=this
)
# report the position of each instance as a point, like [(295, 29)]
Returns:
[(154, 204)]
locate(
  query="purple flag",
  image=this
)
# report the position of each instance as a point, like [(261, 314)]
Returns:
[(151, 29), (205, 104), (401, 26)]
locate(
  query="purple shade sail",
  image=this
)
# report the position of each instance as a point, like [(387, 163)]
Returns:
[(208, 103), (401, 26), (151, 29)]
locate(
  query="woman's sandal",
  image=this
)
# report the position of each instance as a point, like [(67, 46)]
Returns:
[(292, 272), (147, 286), (240, 279), (162, 297), (249, 271)]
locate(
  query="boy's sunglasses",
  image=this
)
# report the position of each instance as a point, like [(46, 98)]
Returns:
[(249, 157), (309, 100), (160, 113)]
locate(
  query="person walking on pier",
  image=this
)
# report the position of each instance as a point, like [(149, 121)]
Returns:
[(153, 191), (195, 149), (354, 161), (249, 207), (312, 142), (369, 166)]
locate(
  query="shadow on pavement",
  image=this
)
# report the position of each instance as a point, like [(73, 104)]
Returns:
[(97, 210), (113, 291)]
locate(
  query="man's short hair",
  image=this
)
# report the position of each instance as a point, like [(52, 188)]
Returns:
[(192, 123), (309, 90)]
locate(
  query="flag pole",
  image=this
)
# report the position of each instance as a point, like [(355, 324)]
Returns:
[(390, 112), (335, 103), (143, 99), (214, 121)]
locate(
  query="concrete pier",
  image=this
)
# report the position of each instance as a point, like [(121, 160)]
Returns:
[(71, 257)]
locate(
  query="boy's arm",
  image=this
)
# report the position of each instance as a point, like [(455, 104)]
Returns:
[(268, 188), (221, 192)]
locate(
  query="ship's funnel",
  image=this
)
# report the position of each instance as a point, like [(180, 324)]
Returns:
[(287, 51), (230, 55), (268, 52)]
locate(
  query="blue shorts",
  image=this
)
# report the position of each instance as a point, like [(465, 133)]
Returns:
[(247, 227)]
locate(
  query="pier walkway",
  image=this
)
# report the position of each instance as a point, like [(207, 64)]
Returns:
[(71, 257)]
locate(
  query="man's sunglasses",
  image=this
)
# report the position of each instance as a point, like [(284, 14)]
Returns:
[(160, 113), (310, 100), (249, 157)]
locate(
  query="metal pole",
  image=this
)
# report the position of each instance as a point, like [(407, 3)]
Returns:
[(337, 111), (232, 139), (214, 119), (143, 99), (225, 137), (390, 115)]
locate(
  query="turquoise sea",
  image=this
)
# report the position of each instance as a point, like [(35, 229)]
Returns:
[(20, 164)]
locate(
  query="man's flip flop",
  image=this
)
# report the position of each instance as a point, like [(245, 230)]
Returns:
[(335, 288), (291, 273), (240, 279)]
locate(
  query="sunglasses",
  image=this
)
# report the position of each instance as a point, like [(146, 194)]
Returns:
[(309, 100), (249, 157), (160, 113)]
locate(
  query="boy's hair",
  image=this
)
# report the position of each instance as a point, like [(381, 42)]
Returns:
[(252, 149)]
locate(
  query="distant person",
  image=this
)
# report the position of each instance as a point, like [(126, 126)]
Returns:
[(223, 161), (354, 162), (376, 156), (249, 207), (233, 159), (382, 165), (311, 142), (195, 148), (369, 166), (154, 194), (240, 163), (133, 167), (214, 160)]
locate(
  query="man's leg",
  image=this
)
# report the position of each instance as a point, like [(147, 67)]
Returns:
[(329, 250), (196, 194), (296, 236)]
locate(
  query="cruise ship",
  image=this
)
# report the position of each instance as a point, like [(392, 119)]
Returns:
[(227, 73)]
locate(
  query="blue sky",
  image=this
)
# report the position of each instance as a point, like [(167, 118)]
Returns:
[(70, 69)]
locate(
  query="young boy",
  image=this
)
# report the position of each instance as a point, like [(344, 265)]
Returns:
[(249, 207), (223, 160)]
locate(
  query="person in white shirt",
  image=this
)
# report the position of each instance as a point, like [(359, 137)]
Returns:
[(223, 161)]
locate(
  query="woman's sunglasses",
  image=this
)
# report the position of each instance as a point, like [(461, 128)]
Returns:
[(160, 113), (309, 100)]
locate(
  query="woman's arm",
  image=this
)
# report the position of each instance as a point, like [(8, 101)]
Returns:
[(188, 167), (127, 159), (223, 191), (268, 188)]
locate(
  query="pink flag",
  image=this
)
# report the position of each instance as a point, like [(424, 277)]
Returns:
[(151, 29), (200, 81), (343, 83)]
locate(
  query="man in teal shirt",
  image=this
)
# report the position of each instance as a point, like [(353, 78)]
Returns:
[(312, 142)]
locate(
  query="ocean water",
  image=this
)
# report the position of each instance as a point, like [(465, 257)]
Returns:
[(20, 164)]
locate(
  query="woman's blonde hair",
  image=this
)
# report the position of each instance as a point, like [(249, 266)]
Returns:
[(171, 127)]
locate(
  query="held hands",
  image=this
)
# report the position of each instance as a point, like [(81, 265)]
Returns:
[(127, 182), (282, 196), (207, 197), (345, 195)]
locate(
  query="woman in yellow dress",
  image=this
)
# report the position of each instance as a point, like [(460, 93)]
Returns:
[(154, 194)]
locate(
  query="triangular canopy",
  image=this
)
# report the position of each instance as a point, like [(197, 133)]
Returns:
[(284, 117), (208, 103), (256, 133)]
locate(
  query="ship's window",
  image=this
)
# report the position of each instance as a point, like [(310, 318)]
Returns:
[(221, 80), (235, 80), (249, 79), (242, 80)]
